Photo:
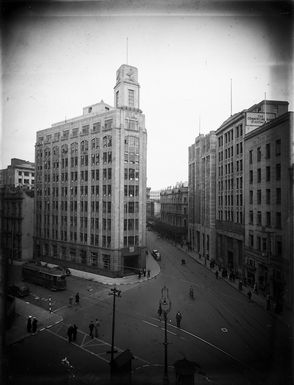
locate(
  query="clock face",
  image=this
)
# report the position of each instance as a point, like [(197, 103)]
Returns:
[(130, 74)]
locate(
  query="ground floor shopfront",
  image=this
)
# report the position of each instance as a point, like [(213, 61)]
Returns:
[(102, 261)]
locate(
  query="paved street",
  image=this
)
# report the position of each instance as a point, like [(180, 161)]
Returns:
[(233, 341)]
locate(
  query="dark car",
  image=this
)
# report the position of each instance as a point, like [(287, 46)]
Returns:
[(156, 254), (18, 290)]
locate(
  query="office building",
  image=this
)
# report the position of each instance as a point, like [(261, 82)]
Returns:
[(268, 200), (20, 173), (90, 211), (202, 184), (230, 230), (174, 211)]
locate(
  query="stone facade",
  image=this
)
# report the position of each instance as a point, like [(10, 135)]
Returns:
[(230, 230), (90, 211), (17, 213), (268, 201), (201, 220)]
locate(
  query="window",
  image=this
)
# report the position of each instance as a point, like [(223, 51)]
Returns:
[(251, 217), (258, 175), (251, 197), (268, 173), (278, 171), (268, 151), (251, 239), (268, 218), (131, 94), (258, 154), (268, 196), (106, 261), (278, 246), (278, 220), (251, 176), (278, 147), (250, 157), (259, 218), (258, 243), (278, 196), (258, 197)]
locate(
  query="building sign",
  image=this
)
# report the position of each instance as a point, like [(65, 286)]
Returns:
[(258, 118)]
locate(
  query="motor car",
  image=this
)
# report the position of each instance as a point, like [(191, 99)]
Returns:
[(18, 290), (156, 254)]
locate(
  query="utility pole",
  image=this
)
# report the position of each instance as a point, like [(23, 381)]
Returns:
[(165, 304), (116, 293)]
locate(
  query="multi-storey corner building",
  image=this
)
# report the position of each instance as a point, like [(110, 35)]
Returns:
[(90, 211), (174, 210), (268, 200), (20, 173), (17, 214), (202, 182), (230, 228)]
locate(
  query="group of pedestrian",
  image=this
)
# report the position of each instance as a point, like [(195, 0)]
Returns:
[(32, 324), (94, 328), (77, 299), (144, 272), (72, 332)]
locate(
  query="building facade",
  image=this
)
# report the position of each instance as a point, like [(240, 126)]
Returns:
[(174, 210), (90, 210), (201, 198), (230, 223), (268, 200), (17, 213), (20, 173)]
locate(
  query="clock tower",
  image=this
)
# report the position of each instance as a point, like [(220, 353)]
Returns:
[(127, 88)]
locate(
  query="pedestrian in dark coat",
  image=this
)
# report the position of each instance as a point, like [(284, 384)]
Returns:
[(74, 332), (179, 319), (29, 324), (159, 311), (148, 273), (77, 298), (70, 331), (249, 295), (97, 324), (34, 325), (144, 272), (91, 327)]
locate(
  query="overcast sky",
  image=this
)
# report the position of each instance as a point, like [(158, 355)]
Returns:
[(57, 59)]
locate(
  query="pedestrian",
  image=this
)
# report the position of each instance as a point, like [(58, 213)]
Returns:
[(255, 288), (97, 324), (34, 325), (70, 333), (29, 324), (249, 295), (139, 274), (144, 272), (74, 332), (268, 302), (179, 319), (216, 274), (77, 298), (91, 327), (159, 311), (148, 273)]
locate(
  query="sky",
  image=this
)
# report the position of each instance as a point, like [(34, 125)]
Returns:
[(58, 58)]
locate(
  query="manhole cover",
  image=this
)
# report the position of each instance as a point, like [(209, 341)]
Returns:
[(224, 330)]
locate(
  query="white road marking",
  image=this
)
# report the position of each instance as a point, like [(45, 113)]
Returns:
[(149, 323)]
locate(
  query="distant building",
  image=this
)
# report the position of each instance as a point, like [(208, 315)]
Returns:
[(17, 212), (202, 184), (90, 211), (230, 224), (153, 204), (268, 200), (155, 195), (20, 173), (174, 211)]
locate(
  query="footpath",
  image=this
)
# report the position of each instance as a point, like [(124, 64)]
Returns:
[(286, 316), (46, 319)]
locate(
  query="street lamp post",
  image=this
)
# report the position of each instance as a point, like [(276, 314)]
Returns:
[(165, 304), (115, 292)]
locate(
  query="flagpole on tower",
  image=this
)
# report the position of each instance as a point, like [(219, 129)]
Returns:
[(231, 97)]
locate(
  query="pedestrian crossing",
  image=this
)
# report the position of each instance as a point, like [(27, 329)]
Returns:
[(94, 346)]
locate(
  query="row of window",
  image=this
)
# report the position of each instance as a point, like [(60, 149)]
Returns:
[(228, 184), (268, 199), (263, 244), (267, 220), (229, 152), (228, 215), (267, 151), (26, 173), (228, 200), (267, 174), (229, 136)]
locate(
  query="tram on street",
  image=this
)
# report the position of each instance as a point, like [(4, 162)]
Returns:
[(49, 277)]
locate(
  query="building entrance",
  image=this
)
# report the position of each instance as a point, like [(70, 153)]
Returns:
[(130, 264)]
